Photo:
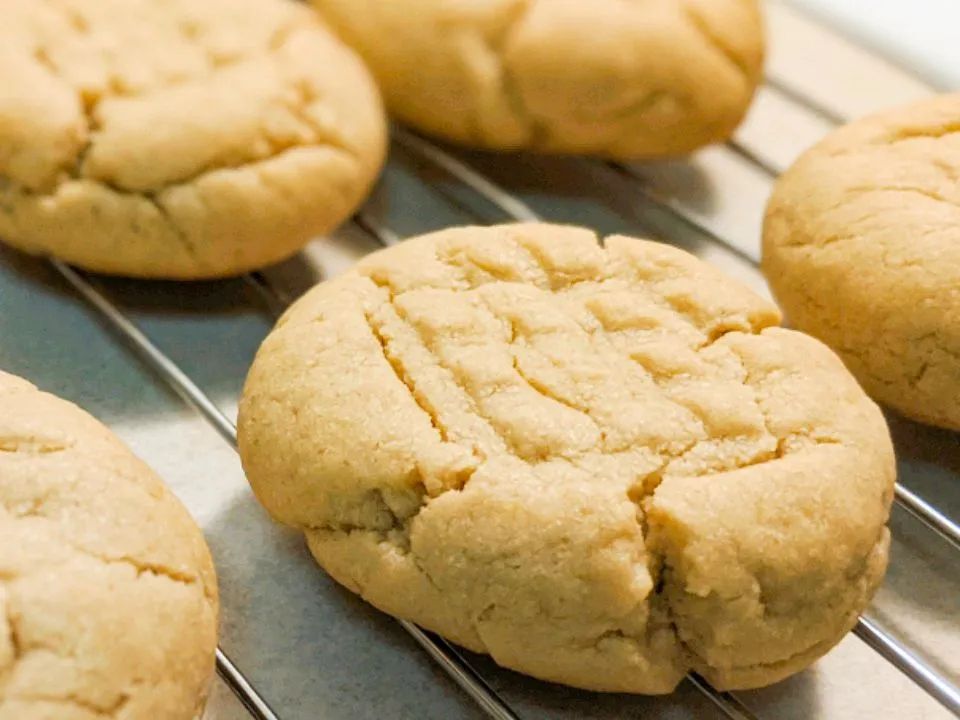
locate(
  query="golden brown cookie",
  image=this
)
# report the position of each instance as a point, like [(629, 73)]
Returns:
[(610, 77), (602, 465), (108, 598), (179, 139), (861, 246)]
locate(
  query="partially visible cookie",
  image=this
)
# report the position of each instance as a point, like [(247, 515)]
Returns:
[(607, 77), (179, 139), (602, 465), (108, 598), (861, 246)]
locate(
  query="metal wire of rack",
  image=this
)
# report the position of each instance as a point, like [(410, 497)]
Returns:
[(449, 659)]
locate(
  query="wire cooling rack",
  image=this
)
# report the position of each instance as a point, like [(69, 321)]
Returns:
[(303, 648)]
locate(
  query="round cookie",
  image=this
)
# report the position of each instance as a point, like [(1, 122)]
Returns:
[(602, 465), (861, 246), (179, 139), (611, 78), (108, 598)]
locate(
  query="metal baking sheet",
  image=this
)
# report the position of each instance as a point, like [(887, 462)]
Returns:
[(312, 649)]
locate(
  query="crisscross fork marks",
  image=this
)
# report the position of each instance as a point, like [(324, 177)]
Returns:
[(533, 270), (401, 371)]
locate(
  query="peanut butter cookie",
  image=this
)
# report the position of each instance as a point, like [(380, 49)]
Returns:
[(604, 465), (178, 139), (108, 599), (861, 246), (608, 77)]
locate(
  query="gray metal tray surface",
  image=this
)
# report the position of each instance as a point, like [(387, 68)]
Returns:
[(163, 365)]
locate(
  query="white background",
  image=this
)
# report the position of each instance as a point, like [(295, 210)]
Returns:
[(920, 35)]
